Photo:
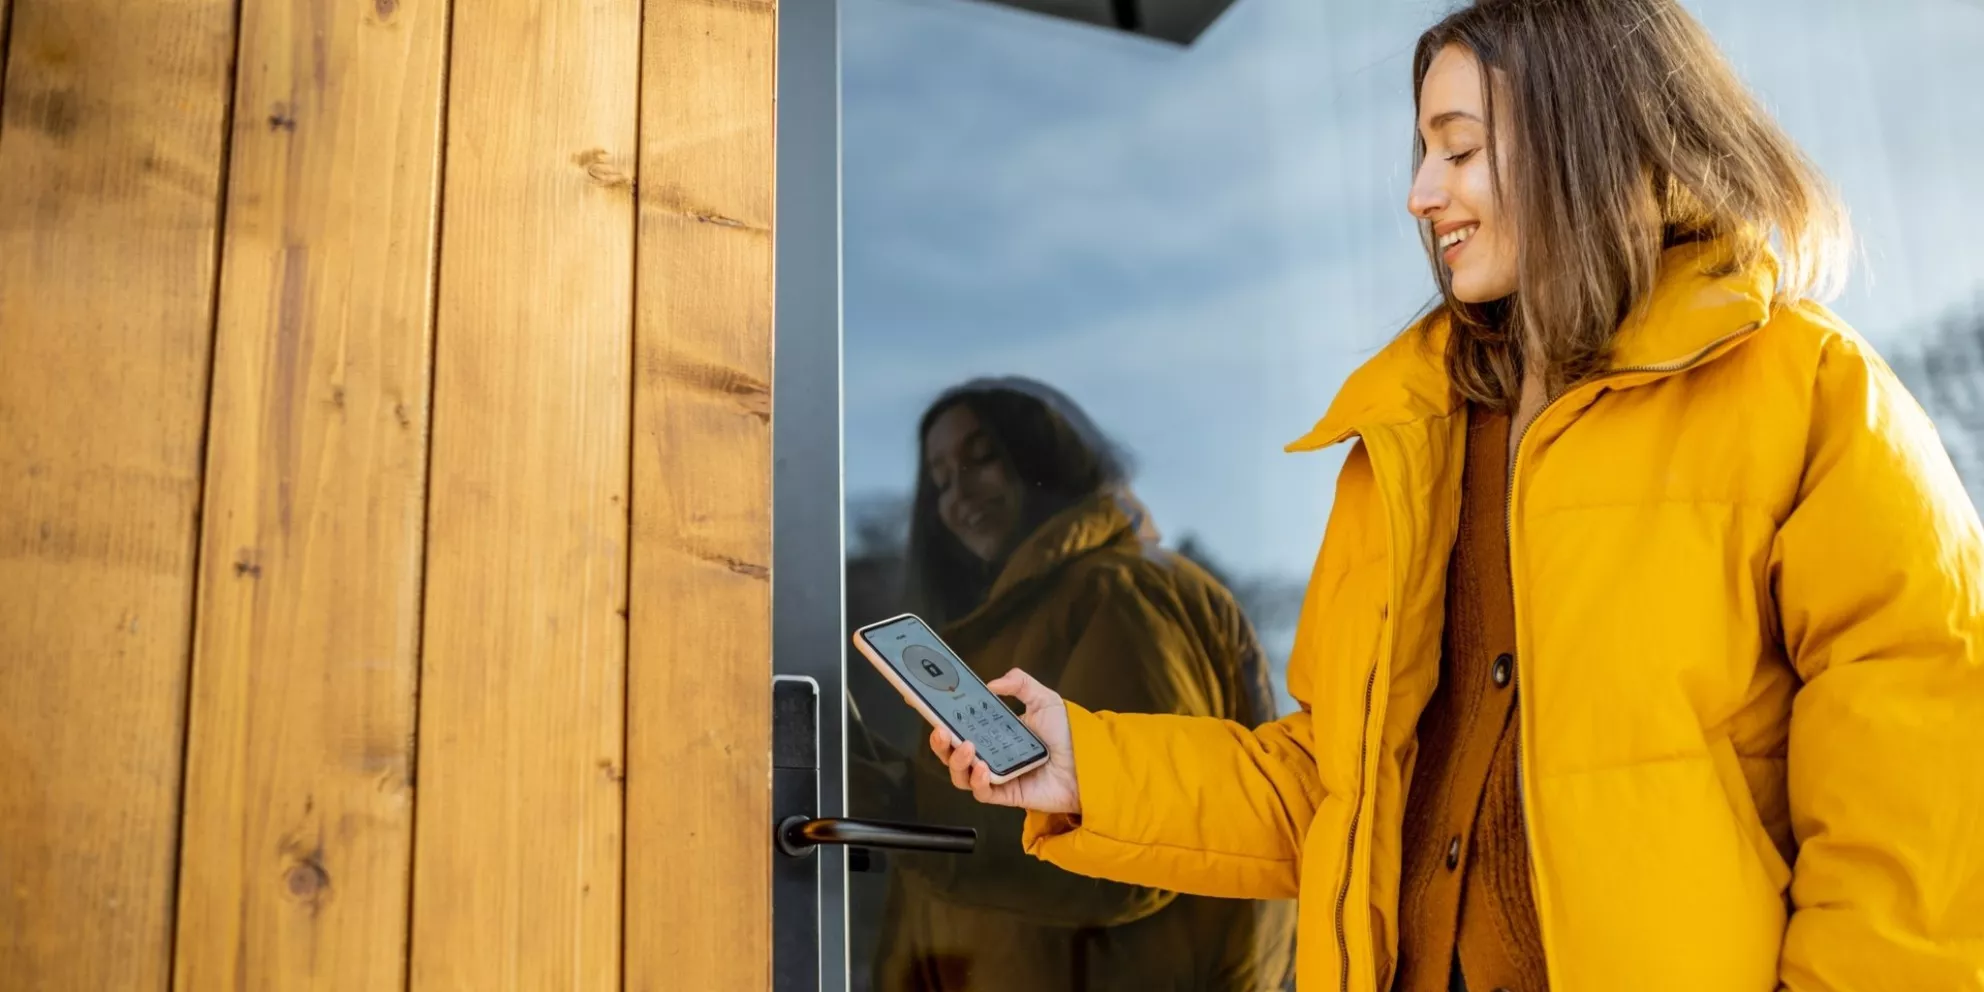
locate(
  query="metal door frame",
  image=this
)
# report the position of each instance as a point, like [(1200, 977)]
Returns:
[(807, 550)]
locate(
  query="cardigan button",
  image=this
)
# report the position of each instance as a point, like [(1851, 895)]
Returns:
[(1453, 853), (1505, 669)]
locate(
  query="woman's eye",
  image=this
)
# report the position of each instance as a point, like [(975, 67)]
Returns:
[(1459, 157)]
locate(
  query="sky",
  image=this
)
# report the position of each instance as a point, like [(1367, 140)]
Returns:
[(1199, 244)]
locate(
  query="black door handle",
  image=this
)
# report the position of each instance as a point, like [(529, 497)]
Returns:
[(798, 834)]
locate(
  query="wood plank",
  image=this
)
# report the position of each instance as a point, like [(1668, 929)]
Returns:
[(299, 812), (4, 25), (517, 857), (699, 800), (110, 154)]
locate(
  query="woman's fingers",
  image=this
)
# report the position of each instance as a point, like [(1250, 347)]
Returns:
[(981, 782), (962, 758), (1023, 687), (1014, 683)]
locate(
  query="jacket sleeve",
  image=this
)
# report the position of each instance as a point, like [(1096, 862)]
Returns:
[(1131, 653), (1877, 571), (1196, 804), (1183, 801)]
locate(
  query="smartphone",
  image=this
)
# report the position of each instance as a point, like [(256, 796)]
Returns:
[(934, 680)]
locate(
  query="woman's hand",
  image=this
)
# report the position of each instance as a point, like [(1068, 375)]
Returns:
[(1048, 789)]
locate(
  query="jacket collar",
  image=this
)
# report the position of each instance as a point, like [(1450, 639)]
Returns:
[(1689, 312), (1097, 521)]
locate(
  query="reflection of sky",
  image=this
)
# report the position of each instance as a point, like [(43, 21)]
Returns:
[(1199, 244)]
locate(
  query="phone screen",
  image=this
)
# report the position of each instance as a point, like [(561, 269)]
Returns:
[(953, 691)]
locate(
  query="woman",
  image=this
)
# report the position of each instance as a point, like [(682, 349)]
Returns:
[(1027, 549), (1645, 649)]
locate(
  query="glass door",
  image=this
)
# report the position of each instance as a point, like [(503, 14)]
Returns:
[(1095, 280), (1097, 262)]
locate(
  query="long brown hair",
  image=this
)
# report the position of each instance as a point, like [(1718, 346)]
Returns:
[(1630, 134), (1053, 448)]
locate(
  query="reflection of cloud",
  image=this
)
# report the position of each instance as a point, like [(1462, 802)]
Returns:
[(1199, 244), (1145, 158), (1205, 392)]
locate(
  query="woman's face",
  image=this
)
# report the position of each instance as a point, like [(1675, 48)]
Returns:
[(1454, 190), (978, 496)]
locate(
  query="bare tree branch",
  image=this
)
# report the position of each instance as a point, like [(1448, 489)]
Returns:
[(1945, 371)]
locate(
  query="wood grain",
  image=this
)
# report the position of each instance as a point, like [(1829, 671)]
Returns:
[(518, 846), (699, 789), (4, 24), (110, 153), (298, 828)]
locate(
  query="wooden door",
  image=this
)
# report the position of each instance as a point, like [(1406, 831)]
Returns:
[(385, 508), (112, 141)]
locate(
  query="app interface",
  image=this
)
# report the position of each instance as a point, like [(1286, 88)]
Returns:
[(957, 695)]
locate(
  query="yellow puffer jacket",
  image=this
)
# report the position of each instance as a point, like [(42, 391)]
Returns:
[(1750, 618)]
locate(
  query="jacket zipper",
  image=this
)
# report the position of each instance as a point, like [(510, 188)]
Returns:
[(1356, 814), (1357, 809), (1509, 535)]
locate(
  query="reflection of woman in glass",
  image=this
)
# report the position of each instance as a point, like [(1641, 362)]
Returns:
[(1646, 645), (1027, 550)]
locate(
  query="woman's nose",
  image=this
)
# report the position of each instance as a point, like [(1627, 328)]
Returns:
[(969, 485), (1428, 195)]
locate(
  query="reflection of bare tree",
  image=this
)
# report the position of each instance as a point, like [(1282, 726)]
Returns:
[(878, 535), (877, 539), (1945, 371), (877, 524), (1271, 603)]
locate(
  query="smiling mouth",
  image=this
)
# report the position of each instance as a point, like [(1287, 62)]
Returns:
[(1457, 236)]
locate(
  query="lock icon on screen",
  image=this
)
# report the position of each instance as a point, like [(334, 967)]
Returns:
[(931, 667)]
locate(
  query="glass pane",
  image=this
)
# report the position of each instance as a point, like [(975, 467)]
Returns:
[(1169, 257)]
